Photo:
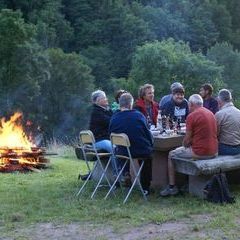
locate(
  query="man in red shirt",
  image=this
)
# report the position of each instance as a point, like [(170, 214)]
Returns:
[(200, 141)]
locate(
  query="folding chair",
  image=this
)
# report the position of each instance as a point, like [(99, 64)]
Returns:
[(123, 140), (87, 145)]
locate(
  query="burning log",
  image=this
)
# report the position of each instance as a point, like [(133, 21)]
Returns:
[(17, 153), (16, 160)]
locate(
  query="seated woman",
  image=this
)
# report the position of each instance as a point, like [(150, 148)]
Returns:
[(146, 104), (115, 105), (100, 119)]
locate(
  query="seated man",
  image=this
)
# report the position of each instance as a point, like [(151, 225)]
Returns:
[(200, 141), (228, 122), (133, 123), (167, 98), (100, 119), (99, 124), (209, 102), (177, 108), (146, 104)]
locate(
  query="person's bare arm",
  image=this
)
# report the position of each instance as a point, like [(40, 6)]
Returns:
[(187, 139)]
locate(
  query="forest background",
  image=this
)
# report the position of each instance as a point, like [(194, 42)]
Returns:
[(54, 53)]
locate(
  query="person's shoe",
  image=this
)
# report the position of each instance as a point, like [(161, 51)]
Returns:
[(147, 191), (84, 177), (169, 191)]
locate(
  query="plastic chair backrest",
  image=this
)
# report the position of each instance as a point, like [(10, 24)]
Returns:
[(86, 137), (120, 139)]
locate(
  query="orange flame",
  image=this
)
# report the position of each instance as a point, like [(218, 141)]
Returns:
[(12, 134)]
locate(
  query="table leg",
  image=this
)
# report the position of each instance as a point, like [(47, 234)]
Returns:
[(159, 169)]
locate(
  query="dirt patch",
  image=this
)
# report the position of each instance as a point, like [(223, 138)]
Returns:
[(190, 228)]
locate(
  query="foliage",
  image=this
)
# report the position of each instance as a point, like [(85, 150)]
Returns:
[(64, 96), (112, 38), (22, 64), (161, 63), (224, 55)]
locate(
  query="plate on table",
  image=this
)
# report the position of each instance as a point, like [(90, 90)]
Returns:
[(155, 132)]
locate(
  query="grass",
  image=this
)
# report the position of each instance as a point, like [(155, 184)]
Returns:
[(49, 196)]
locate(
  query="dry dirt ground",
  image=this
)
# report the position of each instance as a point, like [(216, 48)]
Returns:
[(190, 228)]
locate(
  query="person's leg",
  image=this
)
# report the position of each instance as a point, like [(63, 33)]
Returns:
[(146, 173), (180, 152), (104, 145), (171, 171), (107, 146)]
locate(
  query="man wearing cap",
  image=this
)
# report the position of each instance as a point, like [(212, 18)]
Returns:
[(168, 97), (228, 122)]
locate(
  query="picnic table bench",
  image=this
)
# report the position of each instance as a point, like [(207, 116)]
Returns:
[(200, 171)]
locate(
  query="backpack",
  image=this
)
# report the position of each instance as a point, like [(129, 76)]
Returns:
[(217, 190)]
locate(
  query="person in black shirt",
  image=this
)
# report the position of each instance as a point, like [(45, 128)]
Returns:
[(100, 119)]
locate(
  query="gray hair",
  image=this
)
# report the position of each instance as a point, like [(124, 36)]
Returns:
[(225, 95), (196, 99), (126, 101), (96, 95), (176, 85)]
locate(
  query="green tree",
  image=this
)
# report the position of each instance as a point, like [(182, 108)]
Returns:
[(53, 30), (161, 63), (224, 55), (99, 58), (65, 95), (22, 65), (107, 23)]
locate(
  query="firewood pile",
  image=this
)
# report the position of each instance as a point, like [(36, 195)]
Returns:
[(23, 160)]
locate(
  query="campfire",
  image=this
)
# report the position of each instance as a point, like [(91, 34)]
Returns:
[(17, 152)]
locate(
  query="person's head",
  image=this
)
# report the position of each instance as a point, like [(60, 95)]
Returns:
[(195, 101), (224, 97), (99, 98), (146, 92), (126, 101), (176, 85), (118, 94), (178, 95), (206, 90)]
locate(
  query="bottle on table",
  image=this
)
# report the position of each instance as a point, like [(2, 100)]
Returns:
[(149, 122), (168, 123), (159, 121)]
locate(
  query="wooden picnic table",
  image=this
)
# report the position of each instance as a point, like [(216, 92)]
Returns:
[(162, 145)]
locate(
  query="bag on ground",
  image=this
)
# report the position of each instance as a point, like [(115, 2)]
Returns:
[(217, 190)]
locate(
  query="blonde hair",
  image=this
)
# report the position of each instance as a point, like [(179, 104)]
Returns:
[(142, 90)]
